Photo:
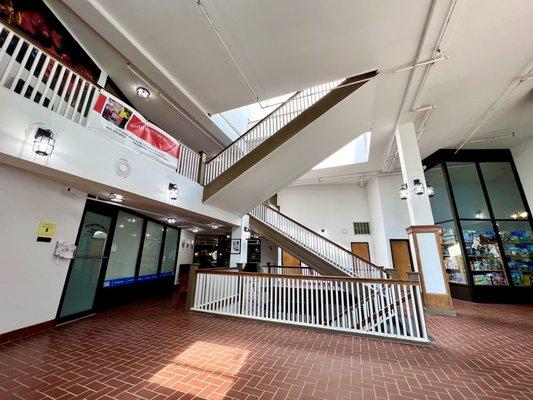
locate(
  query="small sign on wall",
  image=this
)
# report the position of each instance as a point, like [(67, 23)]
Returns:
[(46, 231)]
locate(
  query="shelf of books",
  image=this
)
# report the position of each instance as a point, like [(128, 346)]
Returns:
[(517, 239), (452, 254)]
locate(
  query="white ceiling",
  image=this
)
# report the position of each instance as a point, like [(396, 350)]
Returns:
[(282, 46)]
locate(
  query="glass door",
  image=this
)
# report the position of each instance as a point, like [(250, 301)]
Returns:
[(84, 274)]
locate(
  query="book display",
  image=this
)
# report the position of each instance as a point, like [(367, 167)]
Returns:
[(453, 257), (517, 239)]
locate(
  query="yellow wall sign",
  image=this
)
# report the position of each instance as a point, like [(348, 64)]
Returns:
[(46, 229)]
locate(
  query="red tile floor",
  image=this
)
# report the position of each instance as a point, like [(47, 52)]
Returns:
[(151, 350)]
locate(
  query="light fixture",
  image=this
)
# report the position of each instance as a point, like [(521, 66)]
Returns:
[(514, 215), (214, 226), (523, 214), (430, 189), (171, 220), (195, 230), (519, 214), (44, 142), (479, 214), (143, 93), (418, 187), (173, 191), (403, 192), (247, 234), (116, 198)]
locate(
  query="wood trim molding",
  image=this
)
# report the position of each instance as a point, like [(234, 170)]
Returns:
[(26, 331), (423, 229)]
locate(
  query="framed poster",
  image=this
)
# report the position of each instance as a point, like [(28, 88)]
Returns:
[(235, 246)]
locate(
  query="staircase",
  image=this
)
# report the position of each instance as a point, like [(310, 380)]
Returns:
[(304, 130), (322, 254)]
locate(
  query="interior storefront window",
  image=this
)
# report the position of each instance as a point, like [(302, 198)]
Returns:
[(124, 250), (453, 257), (168, 265), (440, 203), (151, 251), (467, 190), (483, 254), (503, 191), (517, 239)]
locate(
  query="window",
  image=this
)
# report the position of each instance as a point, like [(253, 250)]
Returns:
[(124, 250), (503, 191), (168, 264), (440, 203), (151, 251), (467, 191), (517, 239)]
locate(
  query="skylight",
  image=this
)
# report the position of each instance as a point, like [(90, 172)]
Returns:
[(354, 152), (237, 121)]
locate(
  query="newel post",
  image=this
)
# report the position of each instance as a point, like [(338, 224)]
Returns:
[(191, 290), (201, 167)]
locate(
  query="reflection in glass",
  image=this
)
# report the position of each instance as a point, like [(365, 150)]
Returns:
[(85, 271), (168, 265), (517, 239), (440, 204), (124, 250), (483, 254), (151, 250), (503, 191), (467, 190), (453, 257)]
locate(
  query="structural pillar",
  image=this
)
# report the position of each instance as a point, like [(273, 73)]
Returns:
[(424, 235), (239, 233)]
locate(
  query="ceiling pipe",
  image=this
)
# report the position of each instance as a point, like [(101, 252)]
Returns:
[(495, 106), (411, 75), (492, 138), (421, 64), (418, 95)]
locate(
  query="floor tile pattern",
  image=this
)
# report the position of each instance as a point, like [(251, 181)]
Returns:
[(153, 350)]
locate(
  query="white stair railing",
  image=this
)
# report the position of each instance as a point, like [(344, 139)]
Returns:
[(35, 74), (266, 128), (317, 244), (390, 309)]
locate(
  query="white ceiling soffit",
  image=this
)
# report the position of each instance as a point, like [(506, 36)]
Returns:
[(203, 135)]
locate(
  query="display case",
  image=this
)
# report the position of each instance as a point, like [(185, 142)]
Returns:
[(487, 235), (452, 254)]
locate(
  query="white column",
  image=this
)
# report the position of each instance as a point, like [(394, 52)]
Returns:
[(424, 236), (238, 233)]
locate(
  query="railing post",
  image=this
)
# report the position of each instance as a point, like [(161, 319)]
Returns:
[(191, 290), (201, 167)]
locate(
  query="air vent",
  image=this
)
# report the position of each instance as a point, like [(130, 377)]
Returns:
[(361, 228)]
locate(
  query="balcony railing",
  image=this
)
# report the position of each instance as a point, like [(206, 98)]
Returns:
[(389, 309), (317, 244), (37, 75), (266, 128)]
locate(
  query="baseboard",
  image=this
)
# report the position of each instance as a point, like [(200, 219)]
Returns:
[(26, 331)]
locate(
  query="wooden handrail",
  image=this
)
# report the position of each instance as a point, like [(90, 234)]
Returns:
[(255, 125), (311, 277), (323, 237)]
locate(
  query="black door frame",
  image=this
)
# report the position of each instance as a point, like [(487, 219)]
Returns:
[(112, 211)]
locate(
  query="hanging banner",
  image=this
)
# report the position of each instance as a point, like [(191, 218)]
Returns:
[(112, 118)]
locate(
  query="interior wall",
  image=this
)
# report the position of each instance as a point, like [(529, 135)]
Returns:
[(269, 252), (378, 250), (328, 209), (522, 155), (32, 278)]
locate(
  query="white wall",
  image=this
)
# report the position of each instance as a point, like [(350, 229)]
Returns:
[(523, 156), (185, 254), (332, 208), (32, 279), (269, 252), (87, 157)]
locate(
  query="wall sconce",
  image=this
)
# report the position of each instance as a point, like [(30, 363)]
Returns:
[(403, 192), (431, 189), (116, 198), (173, 191), (418, 187), (44, 142), (247, 234)]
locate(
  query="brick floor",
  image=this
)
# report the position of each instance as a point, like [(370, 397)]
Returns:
[(151, 350)]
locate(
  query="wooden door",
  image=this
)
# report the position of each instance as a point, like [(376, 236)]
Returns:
[(401, 257), (362, 250)]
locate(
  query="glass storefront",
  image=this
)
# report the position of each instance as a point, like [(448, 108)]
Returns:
[(487, 235)]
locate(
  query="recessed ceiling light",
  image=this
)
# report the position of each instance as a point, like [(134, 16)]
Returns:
[(116, 198), (143, 93)]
